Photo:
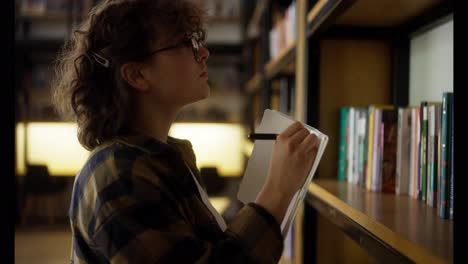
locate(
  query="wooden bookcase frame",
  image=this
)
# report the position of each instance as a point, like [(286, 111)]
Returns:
[(383, 27)]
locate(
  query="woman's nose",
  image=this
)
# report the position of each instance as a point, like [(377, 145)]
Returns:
[(204, 53)]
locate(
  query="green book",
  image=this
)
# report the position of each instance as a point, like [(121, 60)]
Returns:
[(443, 185), (342, 143), (450, 161)]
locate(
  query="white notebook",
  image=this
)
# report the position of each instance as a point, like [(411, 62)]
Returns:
[(257, 166)]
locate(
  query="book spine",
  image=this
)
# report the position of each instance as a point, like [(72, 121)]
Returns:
[(405, 164), (451, 161), (412, 152), (381, 158), (356, 145), (443, 172), (423, 164), (364, 148), (430, 155), (418, 155), (370, 145), (342, 145), (402, 180), (389, 150), (438, 163), (350, 156), (398, 182), (375, 150)]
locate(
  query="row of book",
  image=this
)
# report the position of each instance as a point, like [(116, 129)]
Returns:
[(402, 150), (283, 32)]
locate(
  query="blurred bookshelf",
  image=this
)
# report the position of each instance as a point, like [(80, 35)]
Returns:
[(341, 53)]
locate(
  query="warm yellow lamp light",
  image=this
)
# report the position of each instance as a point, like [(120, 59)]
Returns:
[(220, 204), (52, 144), (56, 145), (215, 145)]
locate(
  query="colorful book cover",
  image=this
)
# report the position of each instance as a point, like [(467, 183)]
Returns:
[(423, 151), (402, 173), (356, 145), (375, 156), (432, 154), (451, 161), (362, 120), (389, 149), (350, 146), (443, 208), (438, 153), (370, 140), (342, 144), (376, 150), (380, 159)]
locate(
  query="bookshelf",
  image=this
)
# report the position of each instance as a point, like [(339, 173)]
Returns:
[(387, 225), (349, 52)]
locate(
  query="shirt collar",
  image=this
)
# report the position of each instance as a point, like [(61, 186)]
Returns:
[(154, 146)]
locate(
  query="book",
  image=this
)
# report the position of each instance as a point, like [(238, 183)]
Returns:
[(402, 173), (256, 171), (342, 143), (445, 156), (417, 159), (432, 155), (451, 158), (411, 154), (350, 147), (361, 145), (423, 152), (370, 145), (376, 151), (389, 150)]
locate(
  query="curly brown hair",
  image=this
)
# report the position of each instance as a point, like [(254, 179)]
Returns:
[(96, 97)]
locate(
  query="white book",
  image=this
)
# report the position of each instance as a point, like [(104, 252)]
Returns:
[(258, 164), (360, 145)]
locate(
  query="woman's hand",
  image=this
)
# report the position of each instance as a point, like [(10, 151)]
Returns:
[(293, 155)]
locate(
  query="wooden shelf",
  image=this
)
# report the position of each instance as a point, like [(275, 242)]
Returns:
[(391, 226), (253, 84), (253, 31), (324, 13), (285, 58), (384, 13)]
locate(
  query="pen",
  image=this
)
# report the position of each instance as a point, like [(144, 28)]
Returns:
[(263, 136)]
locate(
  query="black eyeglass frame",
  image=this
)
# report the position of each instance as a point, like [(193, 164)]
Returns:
[(194, 42)]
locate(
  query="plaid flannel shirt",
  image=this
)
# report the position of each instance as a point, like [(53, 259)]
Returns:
[(135, 201)]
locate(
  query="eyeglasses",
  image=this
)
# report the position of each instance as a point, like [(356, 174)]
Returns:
[(194, 42)]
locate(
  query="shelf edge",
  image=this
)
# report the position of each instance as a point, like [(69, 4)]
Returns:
[(406, 247), (286, 56)]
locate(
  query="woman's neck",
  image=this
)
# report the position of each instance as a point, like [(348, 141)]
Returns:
[(154, 121)]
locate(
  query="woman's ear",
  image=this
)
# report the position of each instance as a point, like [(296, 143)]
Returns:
[(131, 73)]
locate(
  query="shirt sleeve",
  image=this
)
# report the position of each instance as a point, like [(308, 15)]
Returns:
[(142, 224)]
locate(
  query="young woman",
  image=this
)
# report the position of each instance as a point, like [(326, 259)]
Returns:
[(123, 78)]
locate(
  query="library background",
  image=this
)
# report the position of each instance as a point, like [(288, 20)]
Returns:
[(376, 76)]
